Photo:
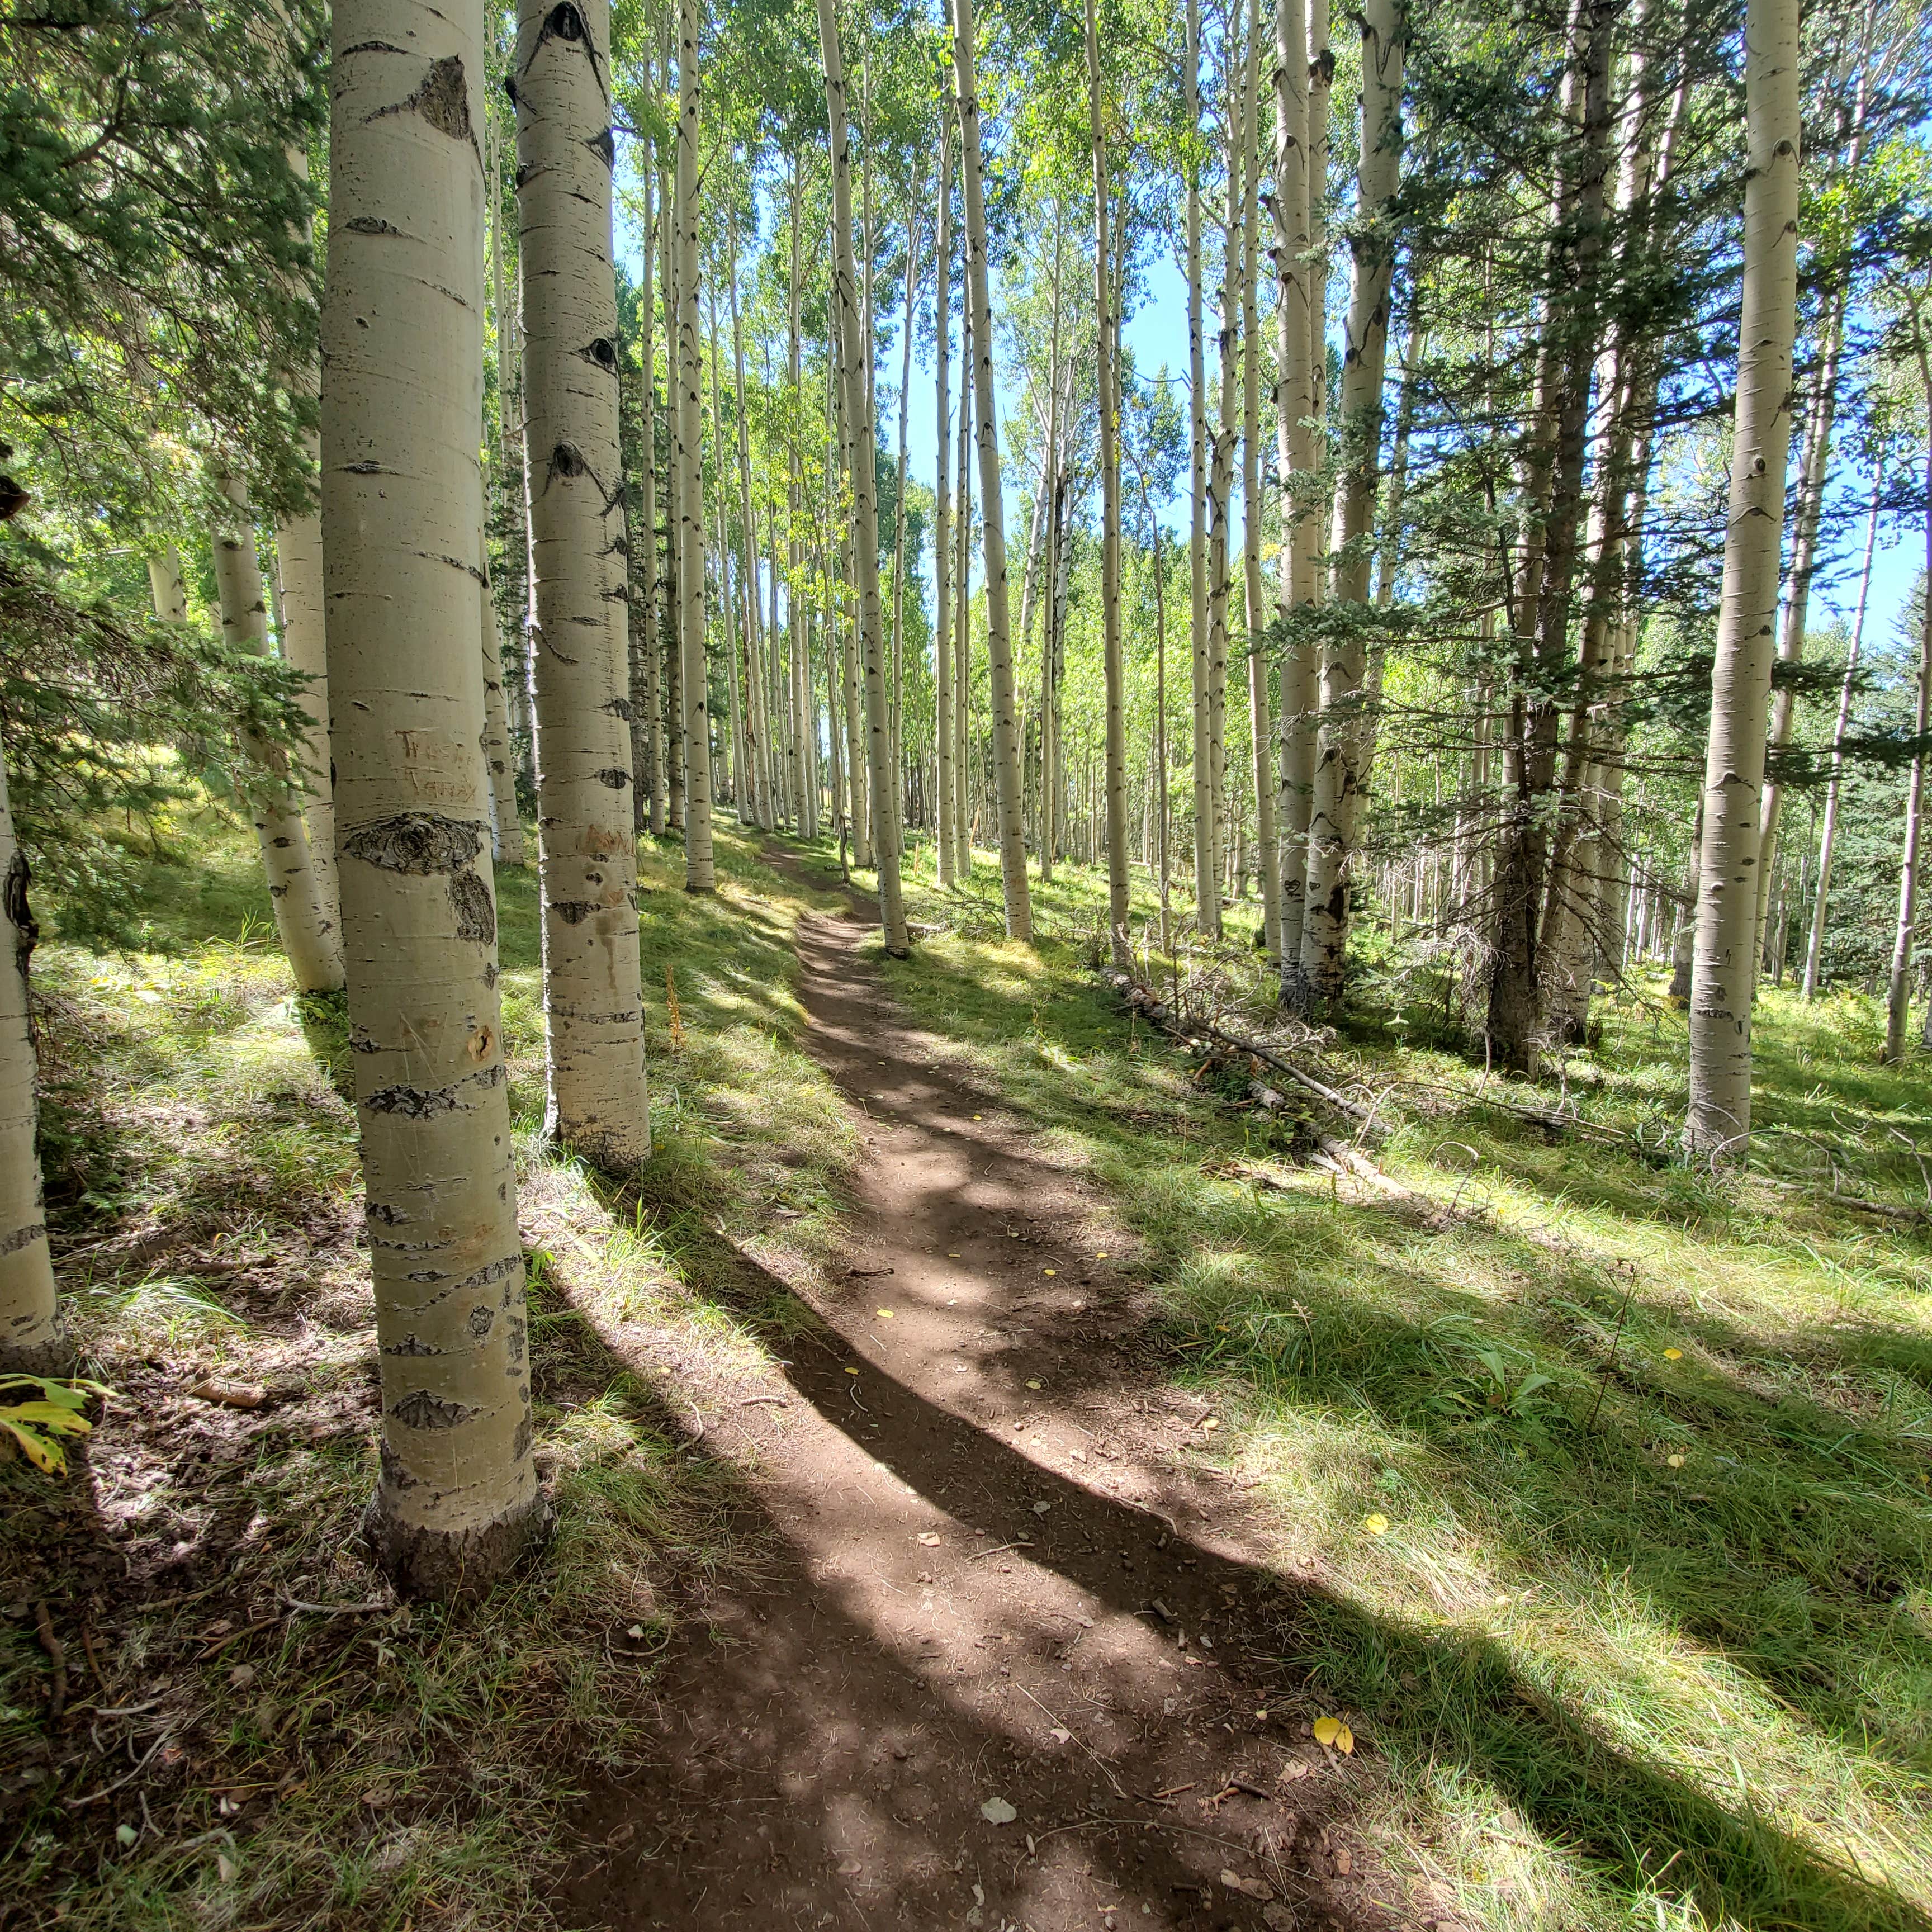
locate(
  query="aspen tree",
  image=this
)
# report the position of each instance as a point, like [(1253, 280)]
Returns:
[(914, 238), (586, 847), (509, 828), (1828, 835), (1898, 991), (1221, 464), (1206, 878), (962, 625), (33, 1336), (646, 677), (992, 510), (734, 735), (1295, 409), (457, 1500), (1120, 938), (1261, 734), (1339, 778), (757, 778), (1050, 495), (1723, 970), (699, 874), (942, 516), (860, 437), (311, 940)]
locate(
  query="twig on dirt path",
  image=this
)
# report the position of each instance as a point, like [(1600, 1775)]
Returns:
[(121, 1711), (336, 1609), (1106, 1770), (852, 1389), (693, 1442), (866, 1274), (775, 1401), (108, 1791), (1024, 1543), (221, 1643), (56, 1659)]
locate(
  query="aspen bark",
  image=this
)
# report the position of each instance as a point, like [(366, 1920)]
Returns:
[(859, 440), (942, 515), (1336, 800), (962, 627), (1898, 990), (33, 1336), (700, 875), (1261, 724), (586, 848), (646, 680), (497, 754), (1723, 969), (992, 512), (1294, 455), (311, 940), (457, 1500), (1206, 878), (1115, 670), (1221, 470), (298, 567), (1828, 835), (757, 779)]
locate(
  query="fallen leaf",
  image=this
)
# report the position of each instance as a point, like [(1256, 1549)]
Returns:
[(1345, 1862), (1673, 1354), (930, 1538), (952, 1254), (1208, 1422), (996, 1811), (1100, 1258), (885, 1315), (978, 1117), (1033, 1385), (1676, 1462), (1040, 1509), (125, 1834), (1249, 1887), (1049, 1270), (225, 1867), (635, 1633), (1335, 1734), (1375, 1523), (242, 1676), (1061, 1735), (1295, 1768), (851, 1372)]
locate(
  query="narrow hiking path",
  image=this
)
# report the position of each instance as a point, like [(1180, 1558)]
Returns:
[(1010, 1664)]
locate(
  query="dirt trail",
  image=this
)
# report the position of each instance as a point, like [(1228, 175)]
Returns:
[(999, 1597)]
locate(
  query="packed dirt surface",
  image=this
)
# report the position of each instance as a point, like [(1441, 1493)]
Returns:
[(1014, 1668)]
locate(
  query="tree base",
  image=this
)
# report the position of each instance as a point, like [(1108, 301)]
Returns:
[(440, 1566), (53, 1355)]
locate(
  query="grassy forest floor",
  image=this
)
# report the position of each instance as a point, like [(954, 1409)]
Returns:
[(1596, 1489)]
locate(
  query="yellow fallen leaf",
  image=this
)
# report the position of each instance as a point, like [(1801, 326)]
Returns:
[(1208, 1422), (1032, 1384), (1676, 1462), (851, 1372), (952, 1254), (1673, 1354), (885, 1315), (1375, 1523), (1049, 1270), (1335, 1734), (1100, 1257), (978, 1117)]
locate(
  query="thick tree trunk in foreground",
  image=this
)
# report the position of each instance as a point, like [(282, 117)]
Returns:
[(859, 443), (33, 1340), (1723, 972), (311, 940), (700, 875), (458, 1501), (992, 513), (587, 845), (1339, 778), (1122, 945)]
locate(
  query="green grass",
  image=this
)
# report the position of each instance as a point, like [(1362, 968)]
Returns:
[(1605, 1496), (410, 1767)]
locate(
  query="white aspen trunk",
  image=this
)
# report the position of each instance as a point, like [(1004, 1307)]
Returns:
[(1335, 803), (727, 601), (899, 524), (298, 567), (458, 1501), (586, 847), (1828, 836), (1207, 879), (992, 511), (1898, 989), (311, 940), (756, 778), (1723, 971), (650, 780), (693, 665), (1221, 474), (962, 627), (1049, 505), (1262, 723), (508, 827), (947, 855), (1295, 409), (860, 437), (1119, 934), (33, 1336)]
